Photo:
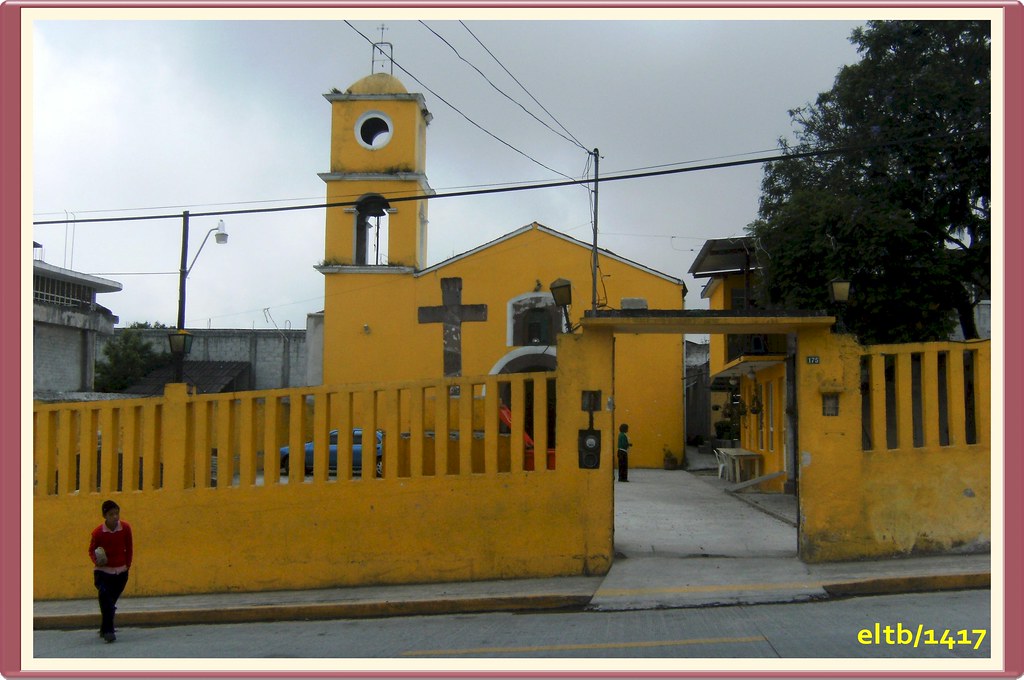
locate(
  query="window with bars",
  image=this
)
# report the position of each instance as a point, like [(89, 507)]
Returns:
[(830, 404)]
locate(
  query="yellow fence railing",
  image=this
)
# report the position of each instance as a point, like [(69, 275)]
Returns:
[(469, 485), (925, 395), (487, 425)]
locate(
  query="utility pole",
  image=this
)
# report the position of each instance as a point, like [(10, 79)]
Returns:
[(593, 264), (179, 359)]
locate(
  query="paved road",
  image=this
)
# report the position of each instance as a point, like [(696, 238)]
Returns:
[(790, 631)]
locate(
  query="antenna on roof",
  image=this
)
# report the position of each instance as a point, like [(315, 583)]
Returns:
[(383, 54)]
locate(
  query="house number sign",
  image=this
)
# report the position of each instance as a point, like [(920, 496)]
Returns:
[(814, 359)]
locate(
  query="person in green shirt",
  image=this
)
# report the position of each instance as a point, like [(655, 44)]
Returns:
[(624, 446)]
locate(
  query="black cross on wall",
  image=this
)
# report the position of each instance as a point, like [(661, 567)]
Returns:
[(452, 313)]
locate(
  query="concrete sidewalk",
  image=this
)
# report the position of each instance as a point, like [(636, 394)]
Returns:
[(681, 540)]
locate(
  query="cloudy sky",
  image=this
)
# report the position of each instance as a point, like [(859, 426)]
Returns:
[(136, 117)]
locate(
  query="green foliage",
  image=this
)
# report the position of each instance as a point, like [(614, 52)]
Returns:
[(146, 324), (902, 209), (727, 429), (127, 359)]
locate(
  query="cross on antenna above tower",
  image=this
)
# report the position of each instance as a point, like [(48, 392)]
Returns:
[(383, 54)]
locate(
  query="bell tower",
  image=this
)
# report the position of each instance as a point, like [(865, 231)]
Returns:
[(378, 154)]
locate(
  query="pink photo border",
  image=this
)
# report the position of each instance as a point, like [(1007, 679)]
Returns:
[(14, 350)]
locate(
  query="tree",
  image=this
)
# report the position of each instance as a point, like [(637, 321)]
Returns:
[(128, 358), (898, 200)]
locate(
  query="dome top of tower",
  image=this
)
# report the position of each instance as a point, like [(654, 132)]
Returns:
[(378, 83)]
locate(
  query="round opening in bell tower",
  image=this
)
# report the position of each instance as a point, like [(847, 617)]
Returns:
[(373, 130)]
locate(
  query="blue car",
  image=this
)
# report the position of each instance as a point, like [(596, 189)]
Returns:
[(332, 464)]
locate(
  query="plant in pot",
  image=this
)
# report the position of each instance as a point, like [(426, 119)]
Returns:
[(727, 432), (670, 461)]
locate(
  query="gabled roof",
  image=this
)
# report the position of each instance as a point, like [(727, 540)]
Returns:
[(557, 234)]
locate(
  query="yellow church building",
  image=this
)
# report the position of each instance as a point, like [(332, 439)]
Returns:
[(388, 316)]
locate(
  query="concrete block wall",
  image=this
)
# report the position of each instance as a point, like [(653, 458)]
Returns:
[(278, 358), (64, 343), (315, 348), (58, 358)]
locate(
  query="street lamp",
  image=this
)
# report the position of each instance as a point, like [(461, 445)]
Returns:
[(839, 290), (181, 341), (839, 294), (561, 291)]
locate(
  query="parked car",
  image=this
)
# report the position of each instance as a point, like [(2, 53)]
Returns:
[(332, 464)]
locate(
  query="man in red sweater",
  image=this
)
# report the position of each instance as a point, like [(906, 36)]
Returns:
[(110, 549)]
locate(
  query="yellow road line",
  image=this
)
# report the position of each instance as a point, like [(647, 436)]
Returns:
[(625, 592), (584, 647)]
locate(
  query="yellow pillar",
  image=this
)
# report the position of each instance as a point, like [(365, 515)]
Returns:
[(584, 363), (175, 442)]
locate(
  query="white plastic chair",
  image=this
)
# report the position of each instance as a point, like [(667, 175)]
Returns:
[(720, 457)]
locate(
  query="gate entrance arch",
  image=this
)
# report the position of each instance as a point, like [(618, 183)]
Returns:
[(890, 444), (778, 464)]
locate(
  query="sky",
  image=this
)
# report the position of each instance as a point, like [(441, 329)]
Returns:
[(154, 117)]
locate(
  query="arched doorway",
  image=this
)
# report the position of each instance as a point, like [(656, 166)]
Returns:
[(529, 360)]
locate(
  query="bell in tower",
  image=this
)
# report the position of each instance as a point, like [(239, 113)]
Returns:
[(369, 212)]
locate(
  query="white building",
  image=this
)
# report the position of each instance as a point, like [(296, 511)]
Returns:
[(65, 324)]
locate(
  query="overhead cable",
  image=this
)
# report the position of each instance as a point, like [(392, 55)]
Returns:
[(498, 89), (524, 183), (523, 87), (456, 110), (498, 190)]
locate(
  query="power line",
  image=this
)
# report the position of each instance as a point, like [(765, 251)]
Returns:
[(456, 110), (578, 143), (627, 233), (508, 189), (700, 160), (256, 202), (524, 183), (172, 207), (496, 88), (133, 273)]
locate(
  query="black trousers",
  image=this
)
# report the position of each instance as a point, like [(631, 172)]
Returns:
[(109, 587), (623, 465)]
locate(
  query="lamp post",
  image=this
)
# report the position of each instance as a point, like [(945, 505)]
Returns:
[(839, 293), (180, 341), (561, 291), (181, 344)]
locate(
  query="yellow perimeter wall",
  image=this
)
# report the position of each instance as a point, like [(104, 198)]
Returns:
[(484, 517), (857, 503)]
